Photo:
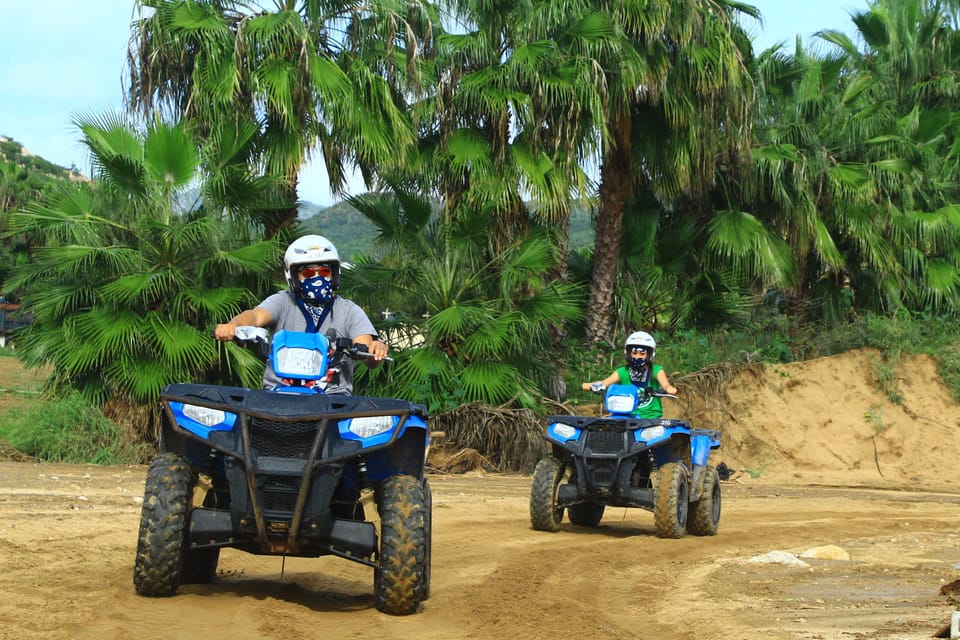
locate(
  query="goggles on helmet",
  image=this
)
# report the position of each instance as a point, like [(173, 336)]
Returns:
[(314, 270)]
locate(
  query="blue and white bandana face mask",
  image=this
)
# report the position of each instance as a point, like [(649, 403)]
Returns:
[(639, 371), (316, 290)]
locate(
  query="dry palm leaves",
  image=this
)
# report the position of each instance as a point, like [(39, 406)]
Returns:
[(500, 439), (703, 398)]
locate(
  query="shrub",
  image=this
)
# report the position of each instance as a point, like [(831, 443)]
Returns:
[(68, 429)]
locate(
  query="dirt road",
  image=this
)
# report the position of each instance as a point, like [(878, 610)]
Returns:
[(68, 534)]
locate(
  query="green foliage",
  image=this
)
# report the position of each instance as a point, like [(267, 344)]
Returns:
[(69, 429), (874, 417), (482, 325), (937, 335), (948, 358), (885, 373), (126, 281)]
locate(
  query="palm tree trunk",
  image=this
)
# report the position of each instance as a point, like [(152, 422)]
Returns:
[(614, 191)]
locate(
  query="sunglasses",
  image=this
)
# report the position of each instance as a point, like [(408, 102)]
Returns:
[(314, 270), (639, 350)]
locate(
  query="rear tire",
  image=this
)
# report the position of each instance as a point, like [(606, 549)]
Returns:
[(545, 515), (705, 513), (161, 543), (399, 576), (586, 514), (671, 501)]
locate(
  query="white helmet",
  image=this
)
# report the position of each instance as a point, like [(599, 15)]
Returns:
[(310, 250), (640, 339)]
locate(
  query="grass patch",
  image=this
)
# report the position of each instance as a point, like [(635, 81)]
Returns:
[(67, 429)]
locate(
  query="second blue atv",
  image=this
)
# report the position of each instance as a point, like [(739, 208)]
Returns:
[(619, 460)]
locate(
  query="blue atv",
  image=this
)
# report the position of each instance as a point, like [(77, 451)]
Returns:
[(619, 460), (285, 472)]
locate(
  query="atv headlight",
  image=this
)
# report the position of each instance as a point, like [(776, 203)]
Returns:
[(652, 433), (563, 431), (371, 426), (204, 415), (294, 361), (621, 404)]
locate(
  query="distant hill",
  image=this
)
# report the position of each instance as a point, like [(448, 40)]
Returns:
[(343, 225), (352, 233), (24, 176)]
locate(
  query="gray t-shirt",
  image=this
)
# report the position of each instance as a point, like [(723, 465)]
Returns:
[(346, 318)]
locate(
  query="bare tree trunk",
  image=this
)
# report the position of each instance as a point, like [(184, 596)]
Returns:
[(614, 191)]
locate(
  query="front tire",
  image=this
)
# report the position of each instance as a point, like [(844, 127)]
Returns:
[(161, 543), (545, 514), (671, 501), (705, 512), (399, 577)]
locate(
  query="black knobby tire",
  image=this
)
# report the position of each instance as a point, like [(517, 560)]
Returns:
[(161, 541), (545, 514), (671, 501), (398, 578), (428, 535), (586, 514), (704, 519)]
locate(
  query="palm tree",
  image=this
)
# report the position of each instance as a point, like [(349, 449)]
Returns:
[(301, 69), (678, 106), (907, 75), (854, 162), (502, 129), (482, 328), (130, 273)]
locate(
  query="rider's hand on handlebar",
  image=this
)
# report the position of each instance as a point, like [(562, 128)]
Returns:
[(378, 349), (225, 332)]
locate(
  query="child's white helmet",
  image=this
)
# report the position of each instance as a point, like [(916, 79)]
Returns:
[(640, 339)]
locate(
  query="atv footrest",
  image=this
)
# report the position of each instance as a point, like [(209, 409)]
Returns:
[(353, 537), (569, 494), (210, 526)]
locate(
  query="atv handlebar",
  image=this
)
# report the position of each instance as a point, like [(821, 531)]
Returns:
[(354, 350), (597, 387), (244, 334), (248, 335)]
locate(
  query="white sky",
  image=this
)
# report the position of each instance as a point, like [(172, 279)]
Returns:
[(63, 58)]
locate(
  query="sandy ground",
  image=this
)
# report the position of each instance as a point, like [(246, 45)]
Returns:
[(827, 467)]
